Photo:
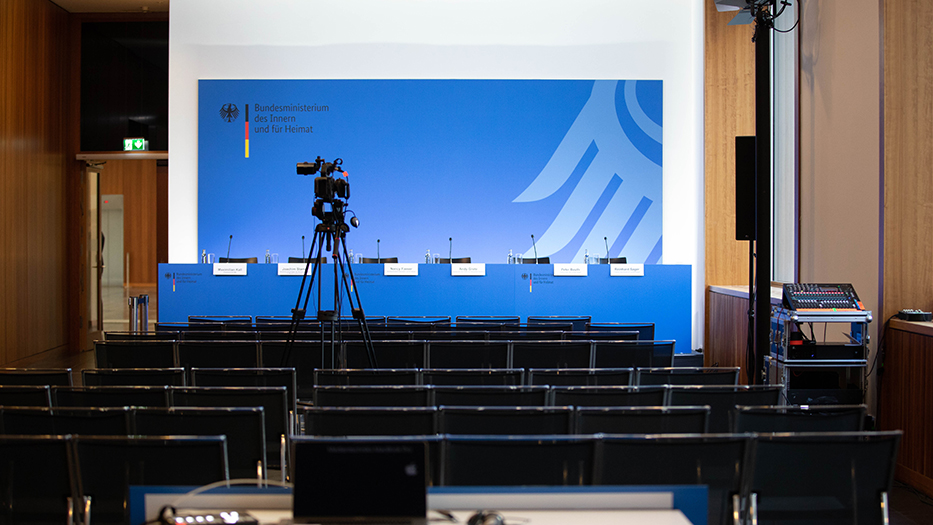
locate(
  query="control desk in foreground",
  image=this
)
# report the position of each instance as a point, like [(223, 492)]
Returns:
[(662, 295)]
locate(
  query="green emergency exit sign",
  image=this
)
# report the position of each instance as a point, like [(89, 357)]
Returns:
[(135, 144)]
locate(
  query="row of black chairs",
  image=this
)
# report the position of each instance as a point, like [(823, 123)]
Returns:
[(561, 333), (827, 478), (402, 376), (86, 479), (822, 477), (275, 400), (244, 427), (308, 355), (720, 399), (401, 421), (416, 322)]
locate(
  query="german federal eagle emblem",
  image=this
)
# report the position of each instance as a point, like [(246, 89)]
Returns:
[(229, 112)]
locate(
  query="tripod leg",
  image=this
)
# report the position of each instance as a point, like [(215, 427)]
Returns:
[(357, 312), (298, 313)]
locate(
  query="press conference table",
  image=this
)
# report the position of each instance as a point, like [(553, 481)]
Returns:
[(662, 295)]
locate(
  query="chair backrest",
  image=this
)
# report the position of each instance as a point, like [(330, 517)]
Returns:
[(475, 321), (609, 396), (111, 421), (642, 420), (539, 260), (633, 354), (370, 421), (218, 354), (473, 376), (383, 260), (244, 428), (225, 320), (248, 260), (526, 335), (722, 462), (722, 400), (133, 377), (645, 330), (612, 260), (596, 335), (37, 482), (111, 396), (272, 399), (373, 396), (518, 460), (815, 418), (251, 377), (367, 376), (35, 376), (303, 356), (419, 322), (506, 420), (455, 260), (513, 396), (164, 335), (580, 376), (143, 353), (26, 396), (577, 322), (200, 332), (688, 376), (389, 354), (468, 354), (552, 354), (109, 465), (831, 477)]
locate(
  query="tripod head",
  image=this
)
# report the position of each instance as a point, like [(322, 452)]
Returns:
[(330, 193)]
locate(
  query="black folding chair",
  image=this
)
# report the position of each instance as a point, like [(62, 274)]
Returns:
[(551, 354), (580, 376), (111, 396), (131, 353), (491, 395), (369, 421), (26, 396), (722, 462), (609, 396), (133, 377), (830, 478), (815, 418), (506, 420), (722, 400), (473, 376), (373, 396), (109, 465), (109, 421), (244, 428), (35, 376), (367, 376), (518, 460), (642, 420), (688, 376), (37, 480), (468, 354)]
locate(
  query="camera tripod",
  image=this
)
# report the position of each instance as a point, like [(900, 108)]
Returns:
[(331, 232)]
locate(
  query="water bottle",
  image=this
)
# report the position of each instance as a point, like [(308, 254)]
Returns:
[(427, 257), (510, 256), (586, 257), (268, 257), (350, 258), (203, 256)]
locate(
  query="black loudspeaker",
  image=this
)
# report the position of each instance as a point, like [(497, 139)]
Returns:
[(745, 188)]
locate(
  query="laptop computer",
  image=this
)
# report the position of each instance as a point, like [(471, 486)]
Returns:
[(360, 482)]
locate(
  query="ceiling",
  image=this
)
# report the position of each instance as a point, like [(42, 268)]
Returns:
[(113, 6)]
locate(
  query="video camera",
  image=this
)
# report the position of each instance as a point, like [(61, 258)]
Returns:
[(327, 189)]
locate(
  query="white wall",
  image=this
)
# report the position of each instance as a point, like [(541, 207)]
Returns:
[(440, 39)]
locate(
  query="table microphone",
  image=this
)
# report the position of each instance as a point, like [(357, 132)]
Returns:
[(450, 250), (605, 240), (535, 247), (377, 250), (229, 243), (302, 245)]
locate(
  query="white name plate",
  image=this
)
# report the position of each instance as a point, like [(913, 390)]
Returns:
[(468, 269), (229, 268), (400, 269), (626, 270), (570, 270), (293, 269)]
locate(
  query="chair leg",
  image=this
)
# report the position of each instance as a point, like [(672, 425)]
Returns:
[(753, 509), (87, 510), (736, 510), (885, 509), (71, 510), (282, 444)]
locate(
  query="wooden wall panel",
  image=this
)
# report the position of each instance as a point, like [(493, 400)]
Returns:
[(729, 111), (728, 329), (137, 181), (908, 155), (907, 404), (33, 160)]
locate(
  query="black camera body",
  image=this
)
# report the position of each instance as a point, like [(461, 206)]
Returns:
[(329, 191)]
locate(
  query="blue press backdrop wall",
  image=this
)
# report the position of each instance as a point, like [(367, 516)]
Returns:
[(486, 162)]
